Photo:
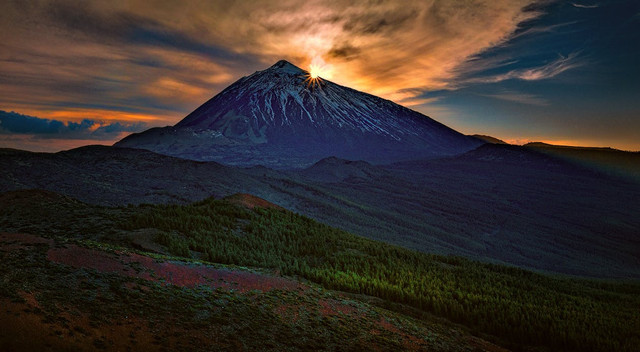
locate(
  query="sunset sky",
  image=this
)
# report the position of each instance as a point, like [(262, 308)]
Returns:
[(85, 72)]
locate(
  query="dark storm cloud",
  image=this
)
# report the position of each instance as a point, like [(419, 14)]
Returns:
[(11, 122), (14, 123)]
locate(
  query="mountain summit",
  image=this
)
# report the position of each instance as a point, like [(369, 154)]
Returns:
[(281, 118)]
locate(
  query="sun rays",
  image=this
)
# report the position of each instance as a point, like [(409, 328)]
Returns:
[(317, 69)]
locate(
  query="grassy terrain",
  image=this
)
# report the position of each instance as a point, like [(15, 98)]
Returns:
[(517, 307)]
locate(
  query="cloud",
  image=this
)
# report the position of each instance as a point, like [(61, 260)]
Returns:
[(118, 25), (581, 6), (521, 98), (536, 30), (15, 123), (380, 21), (550, 70), (344, 51), (417, 44), (89, 56)]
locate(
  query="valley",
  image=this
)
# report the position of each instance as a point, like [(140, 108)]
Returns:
[(502, 204)]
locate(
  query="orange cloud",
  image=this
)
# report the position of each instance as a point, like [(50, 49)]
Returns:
[(181, 55), (386, 47)]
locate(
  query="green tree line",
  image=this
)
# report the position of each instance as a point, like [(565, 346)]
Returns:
[(517, 306)]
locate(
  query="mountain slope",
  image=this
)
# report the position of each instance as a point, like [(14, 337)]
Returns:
[(335, 170), (281, 118), (488, 139)]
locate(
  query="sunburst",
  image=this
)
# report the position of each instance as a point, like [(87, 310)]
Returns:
[(313, 77)]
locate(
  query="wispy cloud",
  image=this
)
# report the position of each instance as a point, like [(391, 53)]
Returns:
[(583, 6), (542, 29), (521, 98), (549, 70), (562, 64)]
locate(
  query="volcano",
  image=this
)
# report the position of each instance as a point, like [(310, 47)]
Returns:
[(281, 118)]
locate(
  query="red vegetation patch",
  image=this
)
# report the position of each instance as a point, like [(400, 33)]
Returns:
[(385, 324), (411, 342), (484, 345), (139, 266), (169, 272), (30, 299), (80, 257), (12, 241), (288, 312), (25, 329), (250, 201), (330, 307)]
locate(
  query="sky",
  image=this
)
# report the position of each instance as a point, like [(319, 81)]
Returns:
[(90, 72)]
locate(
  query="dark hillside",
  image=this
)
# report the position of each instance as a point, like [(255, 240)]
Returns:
[(505, 204), (607, 160), (555, 313)]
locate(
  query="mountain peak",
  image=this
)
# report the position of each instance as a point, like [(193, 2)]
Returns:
[(274, 118), (287, 67)]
